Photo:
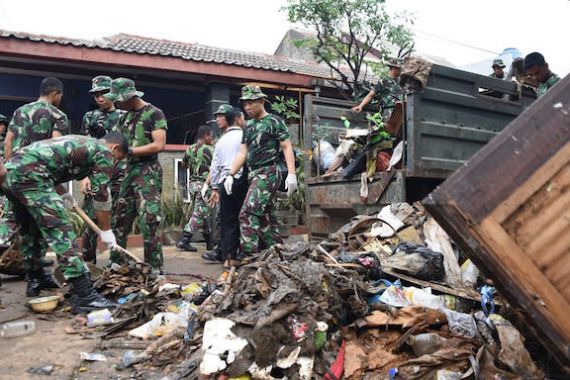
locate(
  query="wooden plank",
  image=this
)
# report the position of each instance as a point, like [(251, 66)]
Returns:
[(536, 180)]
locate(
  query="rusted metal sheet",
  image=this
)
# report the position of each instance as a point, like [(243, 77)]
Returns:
[(509, 209)]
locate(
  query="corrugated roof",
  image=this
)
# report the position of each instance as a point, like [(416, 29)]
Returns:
[(187, 51)]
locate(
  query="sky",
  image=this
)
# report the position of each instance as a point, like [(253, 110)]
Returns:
[(460, 31)]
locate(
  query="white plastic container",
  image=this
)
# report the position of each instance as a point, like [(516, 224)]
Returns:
[(17, 328)]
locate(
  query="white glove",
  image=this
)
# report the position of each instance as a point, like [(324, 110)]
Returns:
[(204, 191), (228, 183), (291, 184), (108, 237), (68, 201)]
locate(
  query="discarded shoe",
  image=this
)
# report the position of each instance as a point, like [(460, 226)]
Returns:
[(86, 298), (38, 281)]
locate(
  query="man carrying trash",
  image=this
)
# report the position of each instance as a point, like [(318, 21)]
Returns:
[(31, 180), (97, 124), (263, 137), (198, 158), (144, 127)]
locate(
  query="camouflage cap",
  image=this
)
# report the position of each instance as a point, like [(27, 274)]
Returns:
[(223, 109), (100, 83), (498, 62), (123, 89), (251, 93), (3, 119), (394, 62)]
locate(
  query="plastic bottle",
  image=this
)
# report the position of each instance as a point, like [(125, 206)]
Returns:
[(18, 328), (423, 344)]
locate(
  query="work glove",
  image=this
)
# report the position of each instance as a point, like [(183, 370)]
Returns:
[(204, 191), (228, 184), (68, 201), (291, 184), (108, 237)]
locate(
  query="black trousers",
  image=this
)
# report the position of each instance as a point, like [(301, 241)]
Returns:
[(230, 206)]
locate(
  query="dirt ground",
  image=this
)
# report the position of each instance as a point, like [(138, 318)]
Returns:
[(50, 345)]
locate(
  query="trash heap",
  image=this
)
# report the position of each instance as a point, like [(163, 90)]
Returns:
[(383, 298)]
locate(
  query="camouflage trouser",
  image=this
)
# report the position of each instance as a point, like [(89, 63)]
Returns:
[(42, 221), (8, 225), (258, 223), (199, 219), (89, 237), (139, 198)]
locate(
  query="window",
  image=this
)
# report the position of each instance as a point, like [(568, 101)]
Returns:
[(181, 177)]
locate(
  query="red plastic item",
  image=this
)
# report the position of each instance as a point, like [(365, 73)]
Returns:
[(338, 366)]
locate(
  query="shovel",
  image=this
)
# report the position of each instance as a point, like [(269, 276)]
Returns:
[(97, 230)]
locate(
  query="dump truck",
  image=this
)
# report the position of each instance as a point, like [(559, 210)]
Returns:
[(443, 125)]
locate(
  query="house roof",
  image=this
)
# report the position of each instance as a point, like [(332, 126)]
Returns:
[(126, 43)]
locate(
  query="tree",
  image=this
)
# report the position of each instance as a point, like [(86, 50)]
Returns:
[(347, 31)]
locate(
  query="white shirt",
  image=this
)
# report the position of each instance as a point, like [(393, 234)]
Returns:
[(225, 152)]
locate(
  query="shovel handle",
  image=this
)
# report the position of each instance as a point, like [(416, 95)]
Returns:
[(98, 231)]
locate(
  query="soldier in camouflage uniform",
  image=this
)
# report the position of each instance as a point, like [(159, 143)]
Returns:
[(198, 158), (33, 122), (498, 67), (97, 124), (537, 68), (144, 126), (32, 183), (264, 135)]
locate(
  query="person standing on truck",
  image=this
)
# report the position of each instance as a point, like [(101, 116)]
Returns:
[(264, 135), (384, 88), (536, 67), (498, 67), (98, 123), (198, 158)]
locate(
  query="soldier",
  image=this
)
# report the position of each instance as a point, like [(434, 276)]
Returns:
[(32, 183), (498, 67), (537, 68), (144, 126), (33, 122), (264, 135), (198, 158), (97, 124)]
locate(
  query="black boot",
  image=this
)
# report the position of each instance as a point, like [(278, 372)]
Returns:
[(86, 297), (209, 241), (39, 280), (214, 255), (184, 243)]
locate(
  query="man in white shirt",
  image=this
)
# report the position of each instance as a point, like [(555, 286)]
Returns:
[(230, 120)]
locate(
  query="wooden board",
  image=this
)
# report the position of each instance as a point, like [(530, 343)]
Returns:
[(509, 209)]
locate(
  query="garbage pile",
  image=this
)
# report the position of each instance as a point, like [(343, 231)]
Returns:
[(383, 298)]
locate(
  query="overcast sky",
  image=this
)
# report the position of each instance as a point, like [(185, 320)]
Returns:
[(461, 31)]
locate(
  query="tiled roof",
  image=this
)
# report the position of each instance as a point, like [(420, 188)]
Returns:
[(186, 51)]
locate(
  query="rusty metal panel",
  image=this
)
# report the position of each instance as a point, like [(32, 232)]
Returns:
[(509, 209)]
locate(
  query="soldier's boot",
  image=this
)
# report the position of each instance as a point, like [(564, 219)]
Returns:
[(86, 298), (39, 280), (209, 241), (184, 243), (214, 255)]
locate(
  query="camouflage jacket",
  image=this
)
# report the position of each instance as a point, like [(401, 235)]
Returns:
[(98, 123), (262, 138), (198, 158), (36, 121), (68, 158), (389, 92), (546, 85), (493, 75), (137, 126)]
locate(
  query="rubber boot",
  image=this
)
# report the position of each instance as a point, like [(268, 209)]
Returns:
[(86, 298), (184, 243), (209, 241), (39, 280)]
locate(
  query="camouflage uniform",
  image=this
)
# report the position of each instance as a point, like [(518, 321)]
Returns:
[(97, 124), (33, 173), (32, 122), (389, 92), (198, 158), (547, 84), (262, 137), (141, 188)]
